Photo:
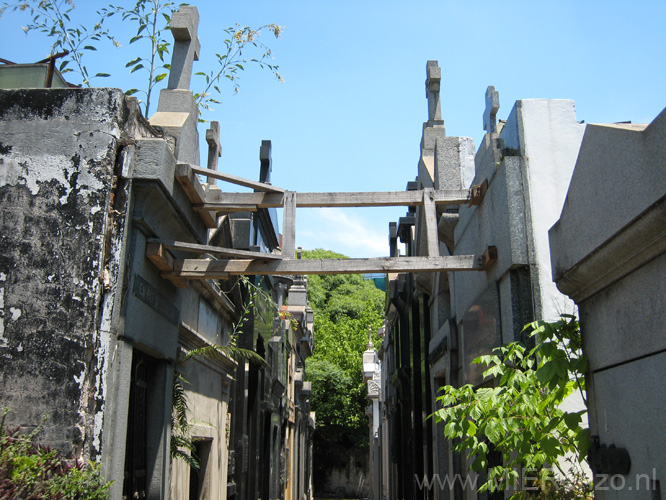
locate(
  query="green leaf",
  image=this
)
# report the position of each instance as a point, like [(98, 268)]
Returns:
[(573, 420), (160, 77), (103, 75), (89, 47), (132, 62), (550, 446), (136, 68)]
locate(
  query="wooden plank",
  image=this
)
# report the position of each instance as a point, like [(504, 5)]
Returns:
[(197, 248), (342, 199), (226, 209), (163, 260), (289, 225), (191, 185), (489, 257), (214, 269), (430, 219), (234, 179), (259, 200), (478, 192), (195, 192)]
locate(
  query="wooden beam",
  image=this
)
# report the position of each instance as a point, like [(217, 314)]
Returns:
[(430, 219), (163, 260), (222, 269), (241, 181), (199, 249), (289, 225), (489, 257), (195, 192), (478, 192), (350, 199), (226, 209)]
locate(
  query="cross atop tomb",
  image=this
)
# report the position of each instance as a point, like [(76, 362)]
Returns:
[(184, 26), (214, 148), (266, 162), (434, 77), (490, 113)]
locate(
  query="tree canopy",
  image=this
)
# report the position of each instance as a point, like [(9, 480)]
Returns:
[(345, 306)]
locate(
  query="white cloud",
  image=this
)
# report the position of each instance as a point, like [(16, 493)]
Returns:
[(352, 232)]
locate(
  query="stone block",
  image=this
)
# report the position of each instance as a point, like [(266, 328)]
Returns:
[(619, 174), (625, 412), (155, 161), (153, 312), (479, 334), (241, 232), (498, 221), (454, 162), (177, 115), (626, 320)]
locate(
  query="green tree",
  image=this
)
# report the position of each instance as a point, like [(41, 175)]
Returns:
[(345, 306), (521, 417)]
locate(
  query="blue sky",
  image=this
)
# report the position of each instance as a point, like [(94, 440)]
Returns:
[(349, 115)]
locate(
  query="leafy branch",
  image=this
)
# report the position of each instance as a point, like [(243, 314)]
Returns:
[(521, 416), (31, 470), (52, 17), (232, 60), (146, 14)]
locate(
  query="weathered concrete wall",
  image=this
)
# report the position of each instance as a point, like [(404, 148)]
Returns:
[(208, 395), (609, 255), (58, 152), (528, 166)]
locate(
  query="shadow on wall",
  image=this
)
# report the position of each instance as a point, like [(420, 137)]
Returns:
[(345, 477)]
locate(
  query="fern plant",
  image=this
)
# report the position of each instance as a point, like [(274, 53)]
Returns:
[(182, 446)]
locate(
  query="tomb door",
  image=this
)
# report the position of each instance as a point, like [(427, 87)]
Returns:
[(135, 481)]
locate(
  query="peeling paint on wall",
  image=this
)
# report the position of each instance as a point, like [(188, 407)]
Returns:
[(57, 159)]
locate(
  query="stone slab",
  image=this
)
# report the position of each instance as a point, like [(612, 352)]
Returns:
[(155, 161), (618, 175), (629, 394), (626, 320)]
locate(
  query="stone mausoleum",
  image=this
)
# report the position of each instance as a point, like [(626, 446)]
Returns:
[(101, 306), (600, 189), (96, 203)]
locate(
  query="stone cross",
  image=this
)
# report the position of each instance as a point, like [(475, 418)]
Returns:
[(184, 25), (266, 162), (492, 106), (214, 148), (434, 77)]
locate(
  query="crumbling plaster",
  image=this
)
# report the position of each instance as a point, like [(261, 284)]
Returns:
[(58, 182)]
